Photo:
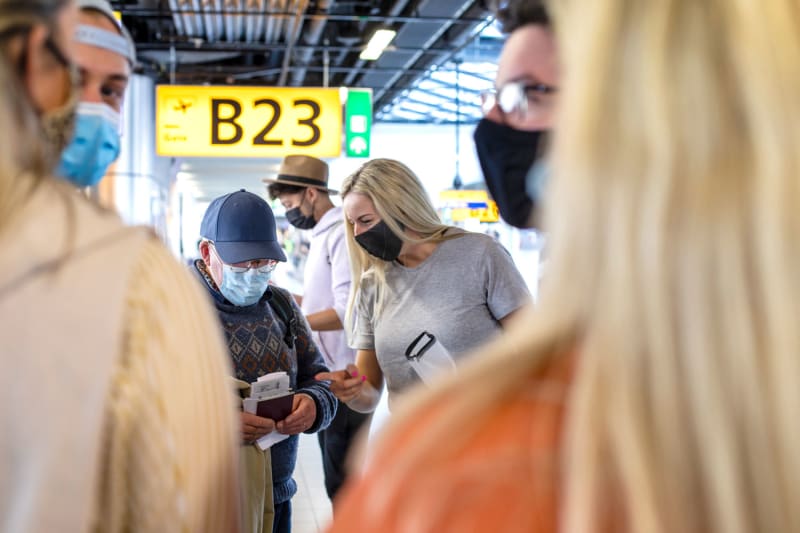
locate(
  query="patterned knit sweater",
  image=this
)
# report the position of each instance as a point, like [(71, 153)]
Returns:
[(255, 336)]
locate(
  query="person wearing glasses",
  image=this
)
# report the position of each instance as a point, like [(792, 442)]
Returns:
[(114, 400), (511, 140), (240, 250)]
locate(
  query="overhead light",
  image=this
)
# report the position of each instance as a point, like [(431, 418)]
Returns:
[(377, 44)]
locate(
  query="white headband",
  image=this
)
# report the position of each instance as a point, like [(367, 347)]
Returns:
[(101, 38)]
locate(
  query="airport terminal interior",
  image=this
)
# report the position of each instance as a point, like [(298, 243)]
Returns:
[(416, 100), (399, 266), (422, 98)]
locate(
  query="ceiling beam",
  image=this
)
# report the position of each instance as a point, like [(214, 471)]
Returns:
[(287, 57), (161, 13)]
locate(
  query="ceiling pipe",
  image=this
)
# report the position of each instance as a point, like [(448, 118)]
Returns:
[(397, 8), (228, 18), (192, 46), (238, 22), (280, 7), (254, 24), (343, 50), (311, 37), (292, 34), (177, 18), (270, 22), (249, 21), (189, 26), (146, 13), (261, 19), (285, 22), (196, 17), (210, 21), (326, 66)]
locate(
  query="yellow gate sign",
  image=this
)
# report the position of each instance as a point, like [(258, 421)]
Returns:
[(247, 121), (464, 204)]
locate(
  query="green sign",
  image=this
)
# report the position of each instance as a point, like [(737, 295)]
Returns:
[(358, 122)]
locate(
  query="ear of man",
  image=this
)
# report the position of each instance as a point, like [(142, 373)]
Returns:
[(205, 252)]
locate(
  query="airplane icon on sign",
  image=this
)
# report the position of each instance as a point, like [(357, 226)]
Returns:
[(182, 106)]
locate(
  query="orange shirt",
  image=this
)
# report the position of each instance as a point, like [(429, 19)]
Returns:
[(505, 479)]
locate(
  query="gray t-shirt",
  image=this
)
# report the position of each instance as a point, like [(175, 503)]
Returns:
[(458, 294)]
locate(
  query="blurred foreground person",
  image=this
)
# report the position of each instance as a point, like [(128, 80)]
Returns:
[(654, 389), (113, 401)]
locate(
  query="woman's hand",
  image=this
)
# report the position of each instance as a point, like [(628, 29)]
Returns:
[(345, 384), (304, 412), (254, 427)]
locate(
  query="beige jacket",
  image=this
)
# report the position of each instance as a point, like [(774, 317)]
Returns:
[(115, 411), (258, 507)]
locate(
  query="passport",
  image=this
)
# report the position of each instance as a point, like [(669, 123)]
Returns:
[(276, 408), (270, 397)]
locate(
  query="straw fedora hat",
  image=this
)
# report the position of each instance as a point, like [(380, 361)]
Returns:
[(303, 171)]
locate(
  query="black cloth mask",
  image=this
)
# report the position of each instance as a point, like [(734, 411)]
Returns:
[(506, 156), (381, 242), (297, 219)]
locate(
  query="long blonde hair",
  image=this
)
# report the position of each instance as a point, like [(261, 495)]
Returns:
[(674, 275), (25, 158), (401, 202)]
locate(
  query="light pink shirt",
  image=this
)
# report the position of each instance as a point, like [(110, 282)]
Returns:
[(326, 285)]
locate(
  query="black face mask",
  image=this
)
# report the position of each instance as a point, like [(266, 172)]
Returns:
[(381, 242), (506, 156), (297, 219)]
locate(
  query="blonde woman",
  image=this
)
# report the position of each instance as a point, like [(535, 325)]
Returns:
[(115, 411), (425, 293), (655, 389)]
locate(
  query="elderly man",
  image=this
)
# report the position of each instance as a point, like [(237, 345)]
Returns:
[(265, 334), (512, 137), (105, 55)]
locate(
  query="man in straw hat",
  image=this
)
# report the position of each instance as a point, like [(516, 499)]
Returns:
[(302, 187)]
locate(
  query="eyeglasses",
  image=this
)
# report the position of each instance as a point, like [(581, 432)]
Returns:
[(519, 99), (264, 266)]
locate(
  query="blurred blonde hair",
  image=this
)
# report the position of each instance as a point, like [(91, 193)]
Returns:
[(674, 275), (401, 201), (25, 158)]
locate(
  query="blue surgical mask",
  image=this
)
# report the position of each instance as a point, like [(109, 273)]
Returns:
[(95, 145), (243, 288)]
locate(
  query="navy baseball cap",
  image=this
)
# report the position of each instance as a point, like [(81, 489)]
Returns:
[(242, 226)]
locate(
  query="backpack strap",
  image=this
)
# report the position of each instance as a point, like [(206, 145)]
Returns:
[(283, 308)]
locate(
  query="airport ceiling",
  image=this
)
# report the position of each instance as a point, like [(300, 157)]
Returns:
[(442, 57)]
